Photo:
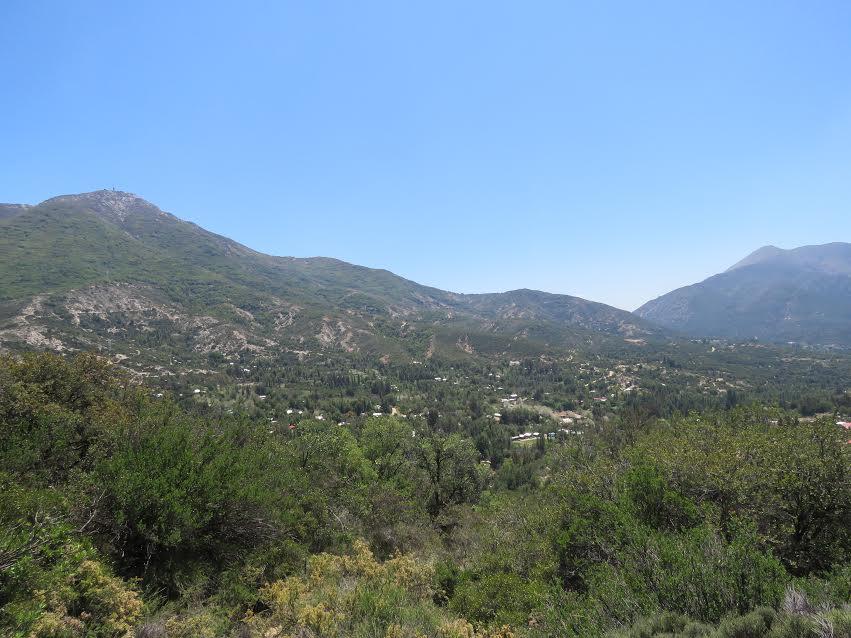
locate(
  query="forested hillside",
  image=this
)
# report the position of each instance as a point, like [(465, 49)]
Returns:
[(108, 270), (123, 514)]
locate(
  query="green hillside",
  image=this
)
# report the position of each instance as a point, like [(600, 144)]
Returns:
[(117, 258)]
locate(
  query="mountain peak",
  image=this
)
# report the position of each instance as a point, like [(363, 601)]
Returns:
[(832, 258), (112, 204), (760, 255)]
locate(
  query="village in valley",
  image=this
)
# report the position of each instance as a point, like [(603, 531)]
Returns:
[(517, 406)]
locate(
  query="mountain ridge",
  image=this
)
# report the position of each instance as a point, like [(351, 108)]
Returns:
[(92, 270)]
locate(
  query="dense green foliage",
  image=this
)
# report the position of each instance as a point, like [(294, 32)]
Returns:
[(123, 513)]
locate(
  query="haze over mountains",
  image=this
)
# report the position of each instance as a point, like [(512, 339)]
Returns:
[(109, 270), (801, 295)]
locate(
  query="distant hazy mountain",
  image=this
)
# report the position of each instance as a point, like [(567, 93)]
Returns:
[(801, 295), (108, 270)]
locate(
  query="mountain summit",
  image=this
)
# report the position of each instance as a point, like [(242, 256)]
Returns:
[(116, 206), (834, 258), (801, 295), (760, 255)]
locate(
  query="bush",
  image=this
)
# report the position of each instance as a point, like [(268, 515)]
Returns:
[(501, 598), (89, 602), (181, 498), (356, 595), (753, 625), (762, 622)]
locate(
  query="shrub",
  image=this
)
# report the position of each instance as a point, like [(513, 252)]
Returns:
[(91, 602), (501, 598), (356, 595)]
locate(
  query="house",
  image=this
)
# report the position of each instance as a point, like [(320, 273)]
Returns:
[(569, 431), (525, 436)]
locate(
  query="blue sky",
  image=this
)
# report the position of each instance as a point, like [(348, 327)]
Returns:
[(608, 150)]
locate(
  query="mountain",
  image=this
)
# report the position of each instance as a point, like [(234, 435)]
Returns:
[(11, 210), (801, 295), (108, 270)]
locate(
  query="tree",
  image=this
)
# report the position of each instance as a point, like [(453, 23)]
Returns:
[(387, 442), (449, 465), (432, 417)]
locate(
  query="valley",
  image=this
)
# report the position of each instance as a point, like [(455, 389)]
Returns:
[(222, 443), (425, 319)]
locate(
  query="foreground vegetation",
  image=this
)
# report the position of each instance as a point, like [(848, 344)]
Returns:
[(123, 513)]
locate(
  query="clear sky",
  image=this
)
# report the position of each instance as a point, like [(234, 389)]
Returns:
[(608, 150)]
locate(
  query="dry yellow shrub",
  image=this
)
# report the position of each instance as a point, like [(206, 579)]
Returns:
[(458, 628), (107, 606), (112, 604), (413, 575), (320, 619), (56, 624), (283, 597), (338, 594)]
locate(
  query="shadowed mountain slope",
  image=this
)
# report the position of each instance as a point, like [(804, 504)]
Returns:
[(801, 295)]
